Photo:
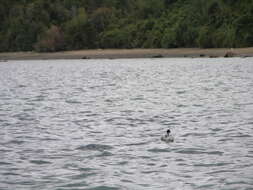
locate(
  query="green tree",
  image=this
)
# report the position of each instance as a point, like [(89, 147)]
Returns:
[(245, 30), (115, 38), (52, 40), (101, 18), (78, 32), (205, 37), (169, 38)]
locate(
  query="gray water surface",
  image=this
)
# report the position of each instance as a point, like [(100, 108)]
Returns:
[(96, 124)]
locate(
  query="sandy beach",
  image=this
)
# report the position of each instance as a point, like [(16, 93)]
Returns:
[(129, 53)]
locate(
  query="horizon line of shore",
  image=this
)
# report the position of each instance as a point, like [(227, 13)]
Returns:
[(130, 53)]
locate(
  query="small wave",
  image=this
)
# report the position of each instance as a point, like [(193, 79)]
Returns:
[(195, 134), (21, 86), (169, 123), (221, 171), (103, 188), (150, 172), (112, 119), (9, 174), (195, 151), (205, 186), (197, 105), (105, 154), (39, 162), (241, 135), (82, 175), (137, 99), (181, 92), (4, 163), (16, 142), (123, 163), (85, 169), (226, 139), (216, 129), (38, 98), (157, 150), (238, 183), (126, 181), (73, 102), (49, 139), (5, 150), (23, 117), (212, 165), (73, 185), (181, 106), (98, 147), (136, 144)]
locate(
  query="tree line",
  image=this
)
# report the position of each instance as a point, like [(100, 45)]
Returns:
[(47, 26)]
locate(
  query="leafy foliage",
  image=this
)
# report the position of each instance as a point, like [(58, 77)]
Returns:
[(52, 40), (44, 25)]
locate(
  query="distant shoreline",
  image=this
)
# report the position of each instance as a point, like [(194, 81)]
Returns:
[(130, 53)]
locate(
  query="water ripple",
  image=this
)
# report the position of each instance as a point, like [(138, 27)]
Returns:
[(96, 124), (98, 147)]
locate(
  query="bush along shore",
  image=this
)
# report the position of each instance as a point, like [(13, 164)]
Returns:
[(61, 25)]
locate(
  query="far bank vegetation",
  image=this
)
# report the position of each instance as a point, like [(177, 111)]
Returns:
[(48, 26)]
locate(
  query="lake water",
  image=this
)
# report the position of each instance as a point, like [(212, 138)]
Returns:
[(96, 124)]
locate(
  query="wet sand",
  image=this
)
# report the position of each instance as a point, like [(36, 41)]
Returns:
[(130, 53)]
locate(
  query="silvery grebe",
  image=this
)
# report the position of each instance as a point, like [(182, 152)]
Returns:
[(167, 137)]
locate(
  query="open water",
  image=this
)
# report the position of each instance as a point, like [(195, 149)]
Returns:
[(96, 124)]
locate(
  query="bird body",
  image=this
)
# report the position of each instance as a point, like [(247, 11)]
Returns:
[(167, 137)]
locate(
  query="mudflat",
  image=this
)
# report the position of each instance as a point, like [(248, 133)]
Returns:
[(130, 53)]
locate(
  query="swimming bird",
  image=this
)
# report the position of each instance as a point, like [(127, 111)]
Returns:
[(167, 137)]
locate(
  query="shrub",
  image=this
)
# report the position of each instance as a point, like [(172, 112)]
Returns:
[(225, 37), (169, 38), (205, 37), (115, 38), (52, 40)]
